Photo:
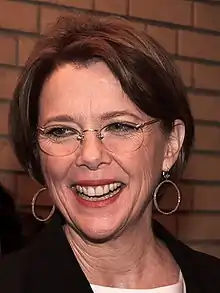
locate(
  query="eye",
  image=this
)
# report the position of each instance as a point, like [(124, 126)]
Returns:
[(120, 128), (60, 132)]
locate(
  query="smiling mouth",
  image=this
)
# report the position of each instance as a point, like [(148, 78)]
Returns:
[(98, 193)]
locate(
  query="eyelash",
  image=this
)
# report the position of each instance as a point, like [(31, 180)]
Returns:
[(50, 131)]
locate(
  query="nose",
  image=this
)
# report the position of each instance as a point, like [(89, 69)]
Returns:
[(92, 153)]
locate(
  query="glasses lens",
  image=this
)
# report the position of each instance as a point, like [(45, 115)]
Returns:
[(58, 149), (123, 143)]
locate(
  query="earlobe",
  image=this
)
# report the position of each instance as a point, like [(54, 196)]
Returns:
[(174, 144)]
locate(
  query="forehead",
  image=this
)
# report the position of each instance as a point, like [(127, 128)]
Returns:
[(84, 91)]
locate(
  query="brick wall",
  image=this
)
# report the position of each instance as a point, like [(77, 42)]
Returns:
[(190, 31)]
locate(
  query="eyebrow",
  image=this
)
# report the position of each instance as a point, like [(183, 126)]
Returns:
[(115, 114), (59, 118), (103, 117)]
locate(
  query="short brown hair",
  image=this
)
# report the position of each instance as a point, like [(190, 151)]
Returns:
[(142, 66)]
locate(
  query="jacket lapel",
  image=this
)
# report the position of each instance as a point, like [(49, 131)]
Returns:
[(181, 254), (52, 266)]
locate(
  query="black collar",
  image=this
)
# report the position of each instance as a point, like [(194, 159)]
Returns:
[(53, 267), (181, 253)]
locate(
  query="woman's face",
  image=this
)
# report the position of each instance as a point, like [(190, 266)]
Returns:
[(89, 98)]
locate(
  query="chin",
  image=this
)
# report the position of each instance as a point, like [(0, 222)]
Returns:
[(97, 238), (96, 233)]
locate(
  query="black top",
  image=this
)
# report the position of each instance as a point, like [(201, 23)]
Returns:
[(49, 265), (11, 237)]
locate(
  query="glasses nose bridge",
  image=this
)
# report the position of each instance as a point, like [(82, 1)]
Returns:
[(96, 131)]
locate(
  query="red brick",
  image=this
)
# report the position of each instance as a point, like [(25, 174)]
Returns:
[(198, 227), (165, 36), (8, 160), (8, 180), (207, 138), (50, 15), (205, 107), (192, 44), (8, 79), (139, 25), (203, 167), (26, 45), (206, 16), (169, 199), (30, 225), (4, 108), (180, 13), (7, 49), (113, 6), (23, 196), (31, 187), (206, 198), (208, 248), (206, 76), (86, 4), (187, 196), (185, 69), (170, 223), (18, 15)]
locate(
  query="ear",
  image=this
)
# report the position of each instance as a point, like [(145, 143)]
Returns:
[(173, 145)]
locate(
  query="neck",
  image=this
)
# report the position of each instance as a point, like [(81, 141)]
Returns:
[(133, 260)]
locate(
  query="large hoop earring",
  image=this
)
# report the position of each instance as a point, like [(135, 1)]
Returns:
[(166, 175), (34, 199)]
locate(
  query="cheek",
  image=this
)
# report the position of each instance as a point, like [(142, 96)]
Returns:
[(148, 161), (153, 157), (54, 168)]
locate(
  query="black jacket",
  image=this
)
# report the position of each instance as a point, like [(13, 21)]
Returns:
[(48, 265), (11, 237)]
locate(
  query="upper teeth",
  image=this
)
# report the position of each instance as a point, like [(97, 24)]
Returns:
[(98, 190)]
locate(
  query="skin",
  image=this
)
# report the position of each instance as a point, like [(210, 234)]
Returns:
[(128, 254)]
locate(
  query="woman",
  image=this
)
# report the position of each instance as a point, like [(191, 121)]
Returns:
[(100, 119)]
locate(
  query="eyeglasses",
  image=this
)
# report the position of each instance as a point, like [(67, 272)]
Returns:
[(116, 137)]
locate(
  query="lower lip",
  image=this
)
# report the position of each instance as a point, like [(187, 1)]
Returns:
[(97, 204)]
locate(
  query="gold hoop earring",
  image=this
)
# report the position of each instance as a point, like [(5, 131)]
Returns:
[(166, 175), (33, 207)]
